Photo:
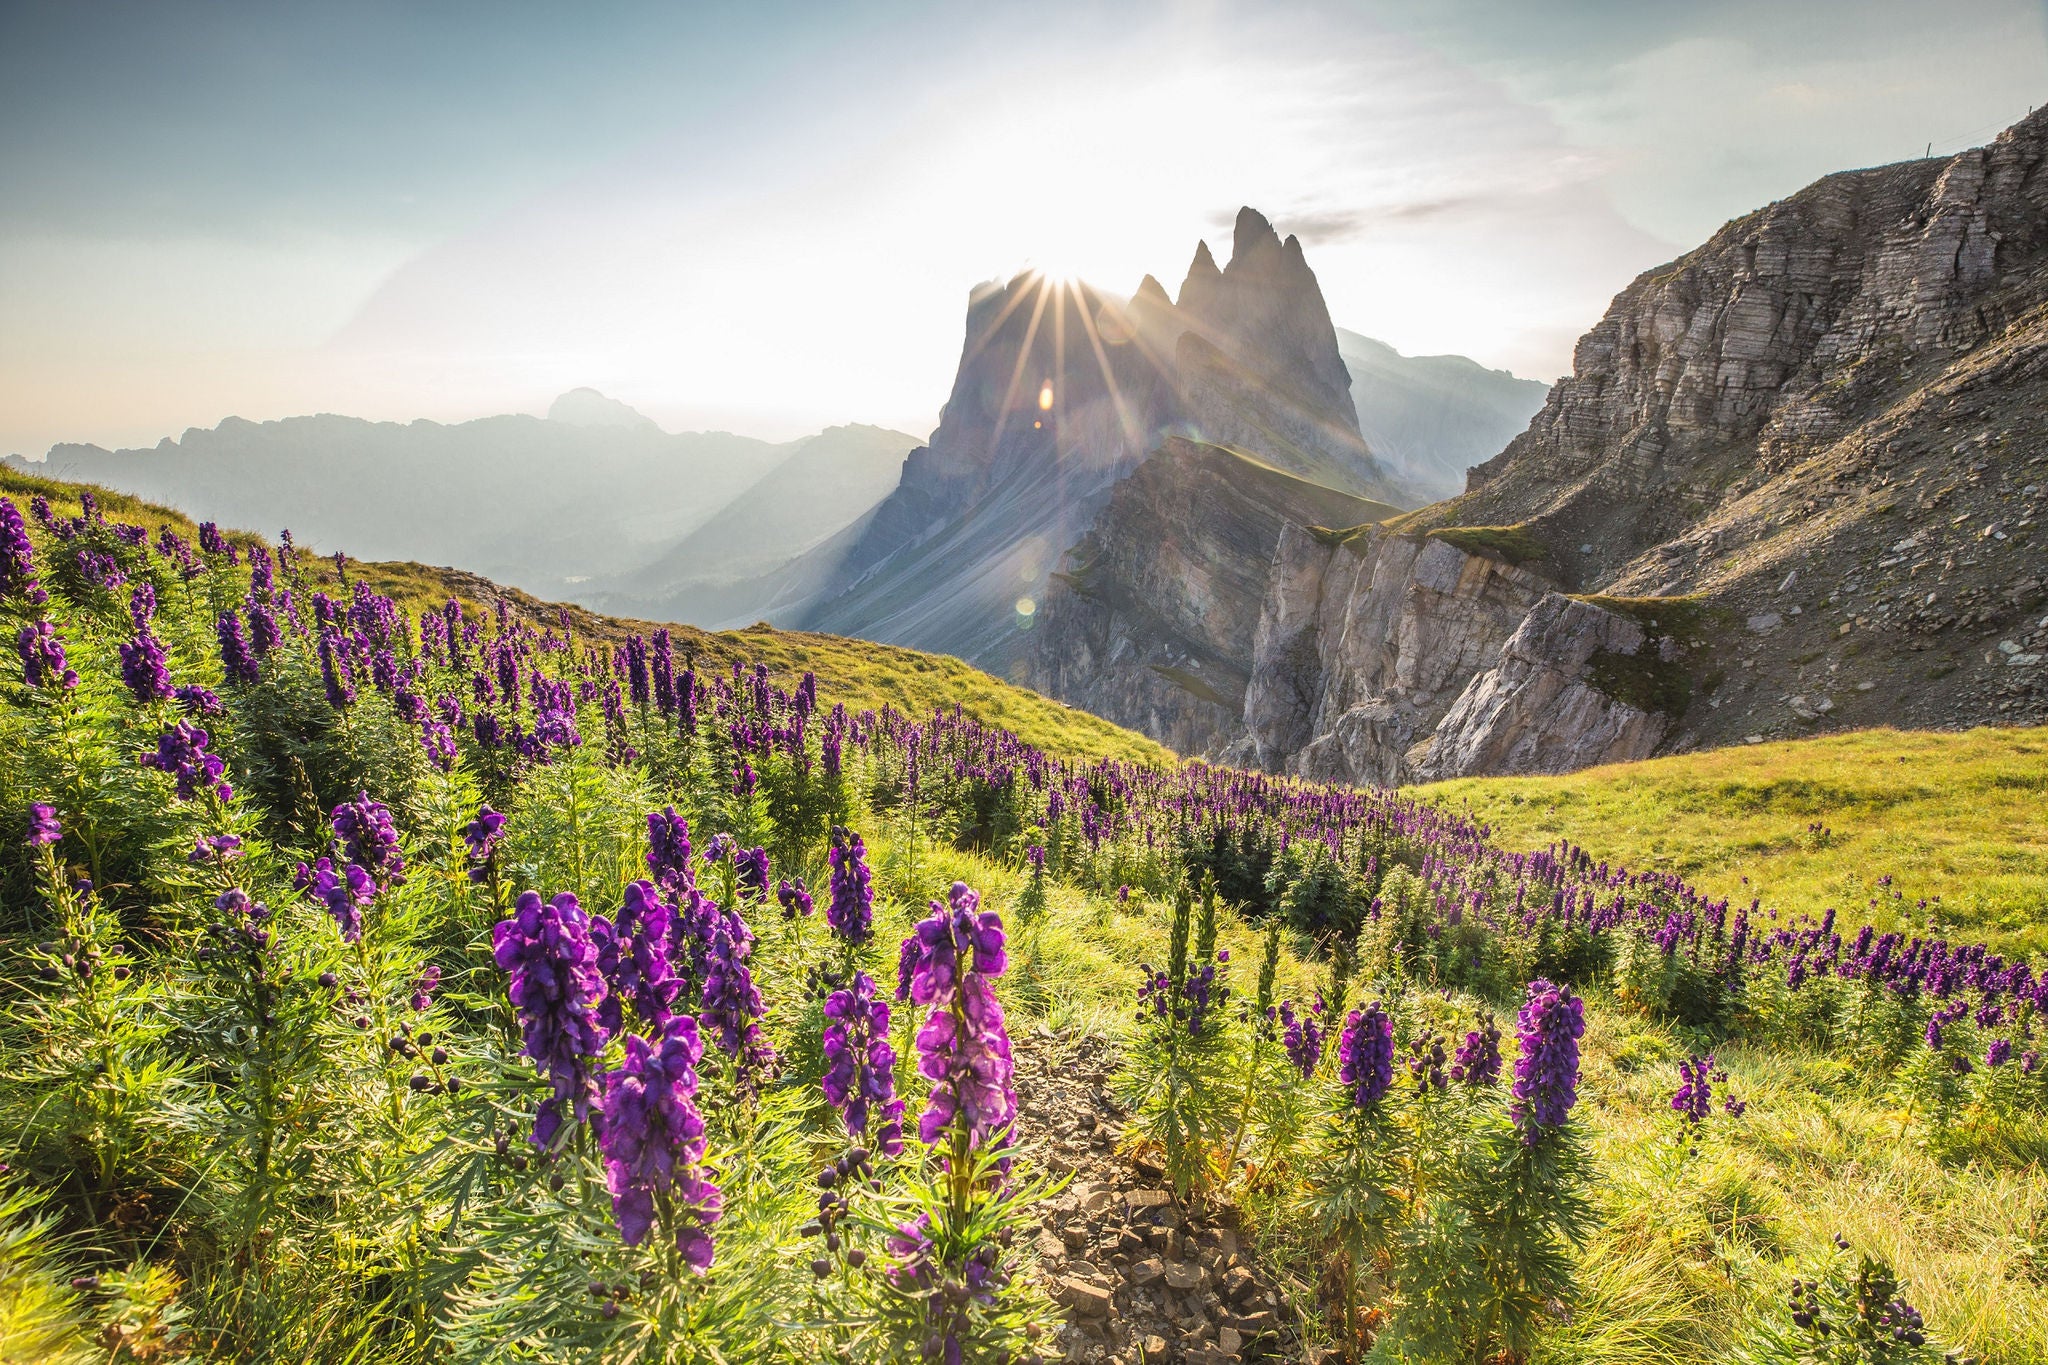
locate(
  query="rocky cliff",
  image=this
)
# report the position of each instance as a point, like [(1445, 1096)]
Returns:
[(1150, 620), (1792, 483), (1061, 391)]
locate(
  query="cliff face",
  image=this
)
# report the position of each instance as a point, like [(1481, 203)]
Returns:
[(1061, 391), (1150, 622), (1794, 480)]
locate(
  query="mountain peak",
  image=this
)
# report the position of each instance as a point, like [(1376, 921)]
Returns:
[(586, 407), (1250, 234)]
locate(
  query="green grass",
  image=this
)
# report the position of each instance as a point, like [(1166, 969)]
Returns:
[(859, 673), (1962, 817), (1515, 544)]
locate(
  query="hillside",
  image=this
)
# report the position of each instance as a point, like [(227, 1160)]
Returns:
[(859, 673), (1793, 485), (1868, 822), (562, 1004)]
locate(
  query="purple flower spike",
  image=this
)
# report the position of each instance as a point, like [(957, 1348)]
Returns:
[(481, 837), (654, 1138), (860, 1075), (1478, 1059), (42, 657), (369, 838), (949, 963), (346, 893), (546, 948), (1365, 1055), (1547, 1074), (43, 825), (851, 911), (668, 852)]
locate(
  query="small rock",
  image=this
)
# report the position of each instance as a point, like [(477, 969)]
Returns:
[(1147, 1199), (1088, 1300), (1154, 1346), (1763, 623), (1147, 1270), (1229, 1341), (1050, 1246), (1866, 686), (1095, 1200), (1184, 1274), (1238, 1285)]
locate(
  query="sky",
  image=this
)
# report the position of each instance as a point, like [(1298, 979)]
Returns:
[(767, 218)]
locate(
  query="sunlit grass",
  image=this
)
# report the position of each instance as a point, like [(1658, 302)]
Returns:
[(1962, 817)]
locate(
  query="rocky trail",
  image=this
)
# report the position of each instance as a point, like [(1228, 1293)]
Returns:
[(1141, 1278)]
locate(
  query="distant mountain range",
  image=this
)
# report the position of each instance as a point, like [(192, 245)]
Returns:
[(591, 494), (1429, 418)]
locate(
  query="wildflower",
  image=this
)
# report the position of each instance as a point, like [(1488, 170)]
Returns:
[(181, 754), (860, 1075), (1426, 1061), (43, 826), (851, 911), (1547, 1074), (752, 867), (633, 955), (948, 963), (668, 851), (1365, 1054), (143, 666), (1478, 1059), (1999, 1053), (1694, 1099), (653, 1140), (423, 987), (346, 893), (18, 558), (915, 1268), (198, 701), (334, 669), (235, 659), (794, 898), (480, 836), (215, 848), (42, 657), (546, 948), (731, 1005), (369, 838), (1302, 1036)]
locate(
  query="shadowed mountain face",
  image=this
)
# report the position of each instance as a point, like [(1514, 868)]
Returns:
[(1794, 483), (1062, 391), (1428, 418), (556, 505)]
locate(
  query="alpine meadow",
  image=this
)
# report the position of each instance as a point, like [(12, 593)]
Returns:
[(1253, 841)]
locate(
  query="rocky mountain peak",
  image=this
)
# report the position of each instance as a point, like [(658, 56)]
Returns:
[(586, 407)]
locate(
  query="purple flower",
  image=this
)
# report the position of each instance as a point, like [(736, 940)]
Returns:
[(42, 657), (1999, 1053), (794, 898), (236, 662), (1478, 1059), (17, 558), (851, 911), (142, 659), (633, 955), (43, 825), (423, 987), (215, 848), (198, 701), (949, 963), (1694, 1099), (668, 852), (181, 754), (654, 1137), (481, 836), (1302, 1036), (346, 893), (1547, 1073), (1365, 1055), (860, 1075), (752, 867), (546, 948), (731, 1005), (369, 838)]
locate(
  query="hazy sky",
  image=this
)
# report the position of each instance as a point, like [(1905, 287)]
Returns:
[(768, 217)]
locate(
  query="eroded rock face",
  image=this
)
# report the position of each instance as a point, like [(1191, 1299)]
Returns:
[(1536, 710), (1151, 621), (1823, 436), (1365, 642)]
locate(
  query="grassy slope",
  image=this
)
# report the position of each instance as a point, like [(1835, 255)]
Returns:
[(1960, 816), (856, 672)]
